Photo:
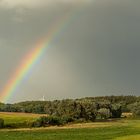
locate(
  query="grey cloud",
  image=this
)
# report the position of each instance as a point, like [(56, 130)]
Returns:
[(38, 3), (96, 54)]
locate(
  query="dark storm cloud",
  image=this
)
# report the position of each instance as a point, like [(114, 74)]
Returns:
[(96, 54)]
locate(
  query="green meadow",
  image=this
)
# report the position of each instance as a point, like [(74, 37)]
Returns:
[(10, 118), (121, 129)]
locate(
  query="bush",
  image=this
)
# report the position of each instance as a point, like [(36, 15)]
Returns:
[(30, 124), (67, 119), (135, 108), (104, 113), (116, 111), (1, 123), (25, 124), (17, 125), (47, 121)]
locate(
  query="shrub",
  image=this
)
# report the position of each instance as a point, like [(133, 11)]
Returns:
[(104, 113), (67, 119), (25, 124), (17, 125), (1, 123), (47, 121), (135, 108), (116, 111), (30, 124)]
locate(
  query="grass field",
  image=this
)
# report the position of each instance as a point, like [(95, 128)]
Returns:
[(123, 129), (18, 117)]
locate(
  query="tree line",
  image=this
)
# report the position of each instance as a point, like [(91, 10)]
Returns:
[(89, 108)]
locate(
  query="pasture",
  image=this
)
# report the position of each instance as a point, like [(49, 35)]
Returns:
[(10, 117), (121, 129)]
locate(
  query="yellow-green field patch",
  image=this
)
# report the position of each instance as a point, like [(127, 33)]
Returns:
[(10, 117), (131, 137)]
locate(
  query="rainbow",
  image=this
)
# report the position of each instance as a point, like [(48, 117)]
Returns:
[(30, 59)]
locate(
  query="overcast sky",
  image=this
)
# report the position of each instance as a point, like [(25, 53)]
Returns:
[(96, 54)]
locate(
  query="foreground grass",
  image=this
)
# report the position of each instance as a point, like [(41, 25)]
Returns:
[(133, 137), (119, 130)]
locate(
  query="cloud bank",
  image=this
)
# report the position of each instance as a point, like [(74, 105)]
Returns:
[(37, 3)]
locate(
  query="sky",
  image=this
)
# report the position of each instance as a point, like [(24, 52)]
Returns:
[(96, 54)]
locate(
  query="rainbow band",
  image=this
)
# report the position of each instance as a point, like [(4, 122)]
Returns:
[(26, 65), (33, 56)]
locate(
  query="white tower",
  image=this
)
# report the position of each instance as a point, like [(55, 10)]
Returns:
[(43, 98)]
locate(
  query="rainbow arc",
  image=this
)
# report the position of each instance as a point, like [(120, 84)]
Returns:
[(30, 59)]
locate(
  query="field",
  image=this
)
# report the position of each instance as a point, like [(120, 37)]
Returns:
[(18, 117), (122, 129)]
